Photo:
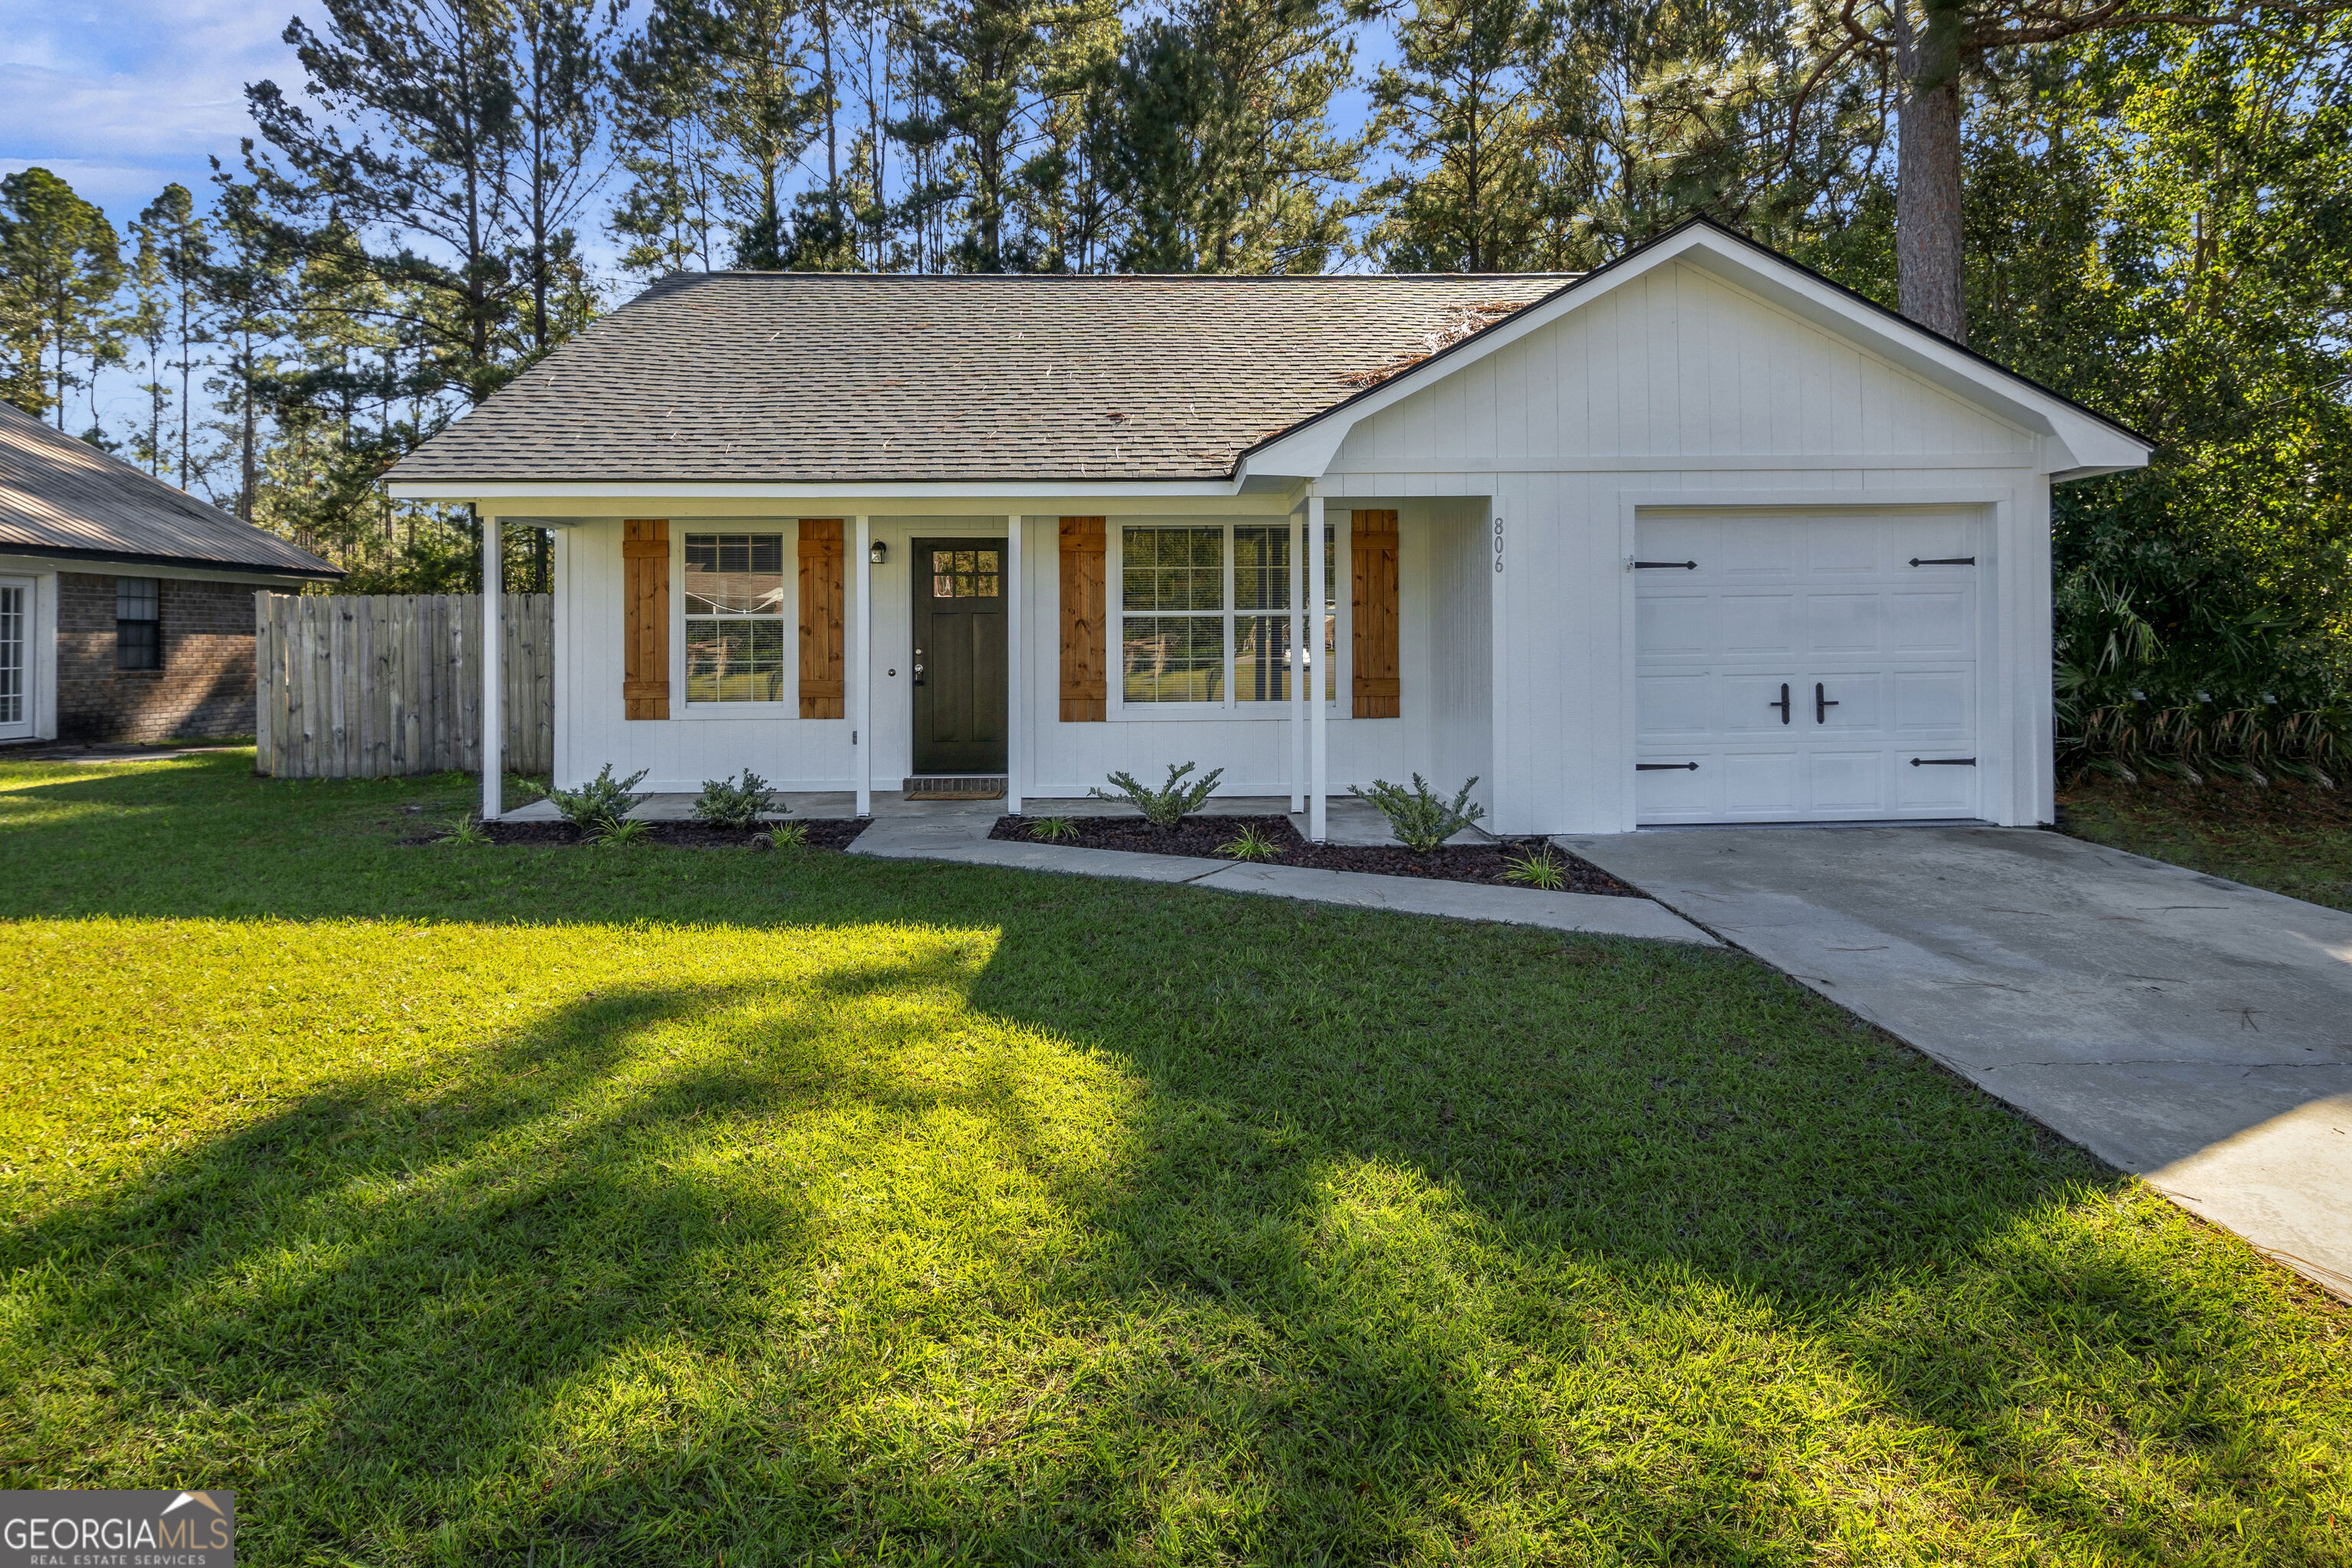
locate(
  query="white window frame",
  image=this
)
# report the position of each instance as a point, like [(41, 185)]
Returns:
[(1230, 707), (789, 706)]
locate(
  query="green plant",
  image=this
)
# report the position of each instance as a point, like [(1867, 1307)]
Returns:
[(1053, 829), (619, 830), (737, 802), (1420, 820), (1535, 868), (1250, 844), (1169, 804), (466, 828), (789, 837), (600, 803)]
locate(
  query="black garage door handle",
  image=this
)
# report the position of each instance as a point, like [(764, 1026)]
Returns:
[(1663, 767)]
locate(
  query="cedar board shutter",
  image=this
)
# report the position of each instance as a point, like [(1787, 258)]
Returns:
[(1086, 681), (645, 617), (1373, 557), (824, 691)]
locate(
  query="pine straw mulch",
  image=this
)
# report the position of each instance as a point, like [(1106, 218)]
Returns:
[(1205, 837), (824, 833)]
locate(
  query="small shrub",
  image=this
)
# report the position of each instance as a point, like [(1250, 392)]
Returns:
[(1053, 829), (1535, 868), (1250, 844), (600, 803), (619, 830), (1420, 820), (737, 803), (466, 828), (790, 837), (1169, 804)]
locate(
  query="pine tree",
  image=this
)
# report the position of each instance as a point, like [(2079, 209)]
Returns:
[(60, 264), (971, 68), (560, 68), (180, 245)]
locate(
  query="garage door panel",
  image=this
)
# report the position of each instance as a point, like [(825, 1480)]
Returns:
[(1799, 599), (1755, 626), (1929, 790), (1674, 625), (1932, 622), (1935, 703), (1749, 703), (1847, 783), (1675, 706)]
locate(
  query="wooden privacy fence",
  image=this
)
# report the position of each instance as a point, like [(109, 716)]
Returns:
[(365, 686)]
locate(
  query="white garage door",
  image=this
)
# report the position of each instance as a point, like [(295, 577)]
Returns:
[(1806, 668)]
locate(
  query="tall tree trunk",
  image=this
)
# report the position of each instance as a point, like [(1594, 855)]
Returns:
[(250, 481), (1927, 175)]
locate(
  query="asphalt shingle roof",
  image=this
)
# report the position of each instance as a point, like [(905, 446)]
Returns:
[(63, 496), (801, 377)]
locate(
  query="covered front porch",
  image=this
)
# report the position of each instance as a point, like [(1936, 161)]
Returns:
[(848, 659)]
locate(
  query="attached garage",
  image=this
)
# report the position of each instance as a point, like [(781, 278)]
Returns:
[(1809, 664)]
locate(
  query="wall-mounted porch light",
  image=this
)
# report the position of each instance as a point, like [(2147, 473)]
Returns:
[(879, 553)]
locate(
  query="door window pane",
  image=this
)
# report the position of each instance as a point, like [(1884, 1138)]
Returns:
[(966, 574)]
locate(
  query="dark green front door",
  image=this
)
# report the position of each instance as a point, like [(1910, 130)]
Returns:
[(959, 656)]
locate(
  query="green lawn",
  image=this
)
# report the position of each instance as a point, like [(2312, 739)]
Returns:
[(2288, 838), (460, 1204)]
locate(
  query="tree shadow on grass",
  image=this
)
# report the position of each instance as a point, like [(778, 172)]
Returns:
[(1098, 1220)]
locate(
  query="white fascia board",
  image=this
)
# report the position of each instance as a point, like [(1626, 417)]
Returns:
[(2077, 444), (633, 491), (98, 566)]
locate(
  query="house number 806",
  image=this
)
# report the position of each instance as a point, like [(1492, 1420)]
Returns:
[(1498, 544)]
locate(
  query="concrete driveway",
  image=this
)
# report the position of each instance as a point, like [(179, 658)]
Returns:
[(2190, 1030)]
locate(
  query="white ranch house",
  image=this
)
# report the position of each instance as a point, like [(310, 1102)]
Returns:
[(1697, 537)]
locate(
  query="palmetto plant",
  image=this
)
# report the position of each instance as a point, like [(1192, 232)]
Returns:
[(1169, 804)]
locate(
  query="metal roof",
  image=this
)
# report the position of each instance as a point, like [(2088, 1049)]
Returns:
[(64, 498), (810, 377)]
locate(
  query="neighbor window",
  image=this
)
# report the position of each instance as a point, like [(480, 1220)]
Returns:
[(734, 617), (1205, 611), (138, 624)]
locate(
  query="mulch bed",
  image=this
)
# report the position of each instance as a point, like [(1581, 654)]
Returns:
[(824, 833), (1203, 836)]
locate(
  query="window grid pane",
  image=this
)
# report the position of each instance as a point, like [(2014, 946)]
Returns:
[(1262, 568), (1261, 659), (734, 573), (734, 659), (1172, 568), (1172, 658)]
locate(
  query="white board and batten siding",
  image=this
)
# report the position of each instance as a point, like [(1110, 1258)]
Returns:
[(1674, 395)]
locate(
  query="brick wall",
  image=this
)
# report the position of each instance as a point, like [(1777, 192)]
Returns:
[(205, 687)]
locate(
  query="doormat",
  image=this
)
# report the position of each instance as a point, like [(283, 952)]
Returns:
[(936, 787)]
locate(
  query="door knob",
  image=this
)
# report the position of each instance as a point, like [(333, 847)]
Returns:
[(1821, 704), (1783, 704)]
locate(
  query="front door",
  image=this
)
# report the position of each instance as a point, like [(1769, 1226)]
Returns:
[(15, 658), (959, 665)]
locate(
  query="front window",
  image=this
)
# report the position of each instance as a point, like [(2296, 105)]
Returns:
[(1205, 614), (734, 617), (137, 623)]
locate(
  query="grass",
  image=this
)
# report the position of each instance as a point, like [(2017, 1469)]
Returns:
[(2289, 838), (465, 1205)]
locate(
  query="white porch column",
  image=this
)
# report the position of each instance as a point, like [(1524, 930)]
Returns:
[(861, 668), (1317, 715), (494, 726), (1297, 664), (1017, 667)]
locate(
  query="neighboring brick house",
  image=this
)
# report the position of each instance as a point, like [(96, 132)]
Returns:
[(126, 606)]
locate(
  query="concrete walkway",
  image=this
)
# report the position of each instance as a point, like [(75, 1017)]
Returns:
[(958, 831), (2190, 1030)]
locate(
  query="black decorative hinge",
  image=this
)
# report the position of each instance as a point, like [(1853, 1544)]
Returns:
[(1665, 565), (1663, 767), (1943, 761), (1945, 561)]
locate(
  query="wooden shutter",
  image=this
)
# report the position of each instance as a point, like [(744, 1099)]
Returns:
[(645, 617), (1372, 551), (823, 692), (1086, 675)]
